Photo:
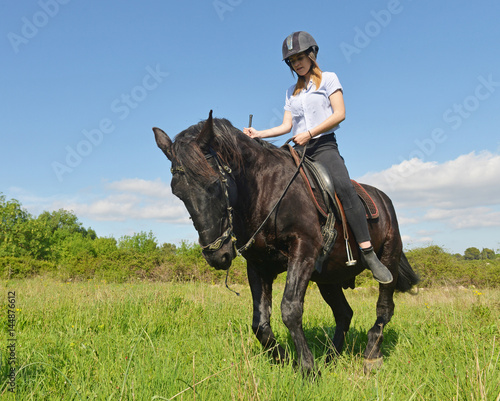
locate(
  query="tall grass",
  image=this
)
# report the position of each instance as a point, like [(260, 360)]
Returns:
[(193, 341)]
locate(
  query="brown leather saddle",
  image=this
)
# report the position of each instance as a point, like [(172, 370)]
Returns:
[(321, 189)]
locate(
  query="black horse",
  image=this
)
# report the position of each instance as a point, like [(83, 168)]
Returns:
[(231, 185)]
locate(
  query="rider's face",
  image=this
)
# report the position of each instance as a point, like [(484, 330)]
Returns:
[(301, 64)]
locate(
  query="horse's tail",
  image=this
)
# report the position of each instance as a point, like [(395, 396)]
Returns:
[(407, 277)]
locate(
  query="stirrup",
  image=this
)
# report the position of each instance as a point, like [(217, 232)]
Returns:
[(329, 234), (350, 260)]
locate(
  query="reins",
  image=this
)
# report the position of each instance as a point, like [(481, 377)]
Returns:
[(252, 238)]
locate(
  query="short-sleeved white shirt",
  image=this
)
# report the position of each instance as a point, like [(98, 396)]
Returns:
[(312, 106)]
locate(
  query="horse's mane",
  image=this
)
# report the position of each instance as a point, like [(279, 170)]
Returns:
[(228, 142)]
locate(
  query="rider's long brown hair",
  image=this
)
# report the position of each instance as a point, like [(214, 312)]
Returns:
[(315, 75)]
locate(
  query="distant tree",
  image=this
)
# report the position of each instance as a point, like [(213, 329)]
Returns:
[(104, 246), (45, 237), (11, 212), (472, 254), (168, 248), (65, 223), (15, 228), (487, 253), (139, 242)]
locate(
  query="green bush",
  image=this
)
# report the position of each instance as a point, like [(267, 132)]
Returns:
[(482, 273), (23, 267), (437, 267), (433, 264)]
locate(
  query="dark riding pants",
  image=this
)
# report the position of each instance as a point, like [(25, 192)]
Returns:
[(325, 150)]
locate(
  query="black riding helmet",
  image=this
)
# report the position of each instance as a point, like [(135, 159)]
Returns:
[(298, 42)]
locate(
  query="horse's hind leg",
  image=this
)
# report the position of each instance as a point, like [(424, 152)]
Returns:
[(335, 298), (385, 310), (390, 255), (262, 289)]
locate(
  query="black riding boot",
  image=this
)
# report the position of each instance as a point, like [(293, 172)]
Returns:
[(379, 271)]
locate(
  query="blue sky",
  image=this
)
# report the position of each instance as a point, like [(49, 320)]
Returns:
[(83, 82)]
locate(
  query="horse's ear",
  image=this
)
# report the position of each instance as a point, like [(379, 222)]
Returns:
[(163, 142), (207, 132)]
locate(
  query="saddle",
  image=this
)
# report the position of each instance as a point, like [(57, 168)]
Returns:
[(322, 192)]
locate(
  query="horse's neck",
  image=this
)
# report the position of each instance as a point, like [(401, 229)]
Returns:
[(263, 176)]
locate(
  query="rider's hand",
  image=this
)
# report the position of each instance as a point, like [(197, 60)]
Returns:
[(251, 132), (302, 138)]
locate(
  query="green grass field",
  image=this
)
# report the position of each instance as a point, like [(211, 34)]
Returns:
[(164, 341)]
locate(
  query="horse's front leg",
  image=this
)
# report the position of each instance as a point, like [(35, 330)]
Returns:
[(292, 308), (262, 289)]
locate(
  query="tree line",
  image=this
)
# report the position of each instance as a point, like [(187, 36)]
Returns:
[(56, 244)]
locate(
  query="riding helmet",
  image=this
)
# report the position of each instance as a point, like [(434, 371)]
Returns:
[(299, 42)]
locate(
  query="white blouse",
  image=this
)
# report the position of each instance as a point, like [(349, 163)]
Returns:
[(312, 106)]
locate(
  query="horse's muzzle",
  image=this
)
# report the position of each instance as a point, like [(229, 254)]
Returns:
[(222, 258)]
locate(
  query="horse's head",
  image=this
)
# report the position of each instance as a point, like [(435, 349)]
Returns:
[(205, 185)]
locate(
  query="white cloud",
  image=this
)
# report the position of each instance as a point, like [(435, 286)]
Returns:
[(153, 189), (470, 180), (134, 199), (136, 203), (453, 203), (128, 199), (465, 218), (404, 220), (411, 241)]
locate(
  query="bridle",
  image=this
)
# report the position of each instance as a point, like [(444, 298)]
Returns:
[(228, 185)]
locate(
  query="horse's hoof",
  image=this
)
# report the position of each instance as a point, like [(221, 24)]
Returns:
[(281, 360), (332, 357), (372, 364), (311, 374)]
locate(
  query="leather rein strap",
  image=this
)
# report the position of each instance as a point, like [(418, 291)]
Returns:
[(296, 158)]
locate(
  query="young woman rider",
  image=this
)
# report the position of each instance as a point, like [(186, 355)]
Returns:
[(314, 108)]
